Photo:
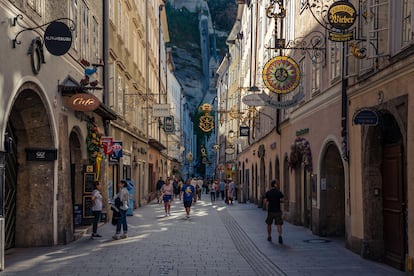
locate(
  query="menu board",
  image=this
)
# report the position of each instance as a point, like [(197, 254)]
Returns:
[(87, 207), (88, 182)]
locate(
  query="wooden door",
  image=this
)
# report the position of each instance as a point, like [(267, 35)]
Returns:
[(393, 206)]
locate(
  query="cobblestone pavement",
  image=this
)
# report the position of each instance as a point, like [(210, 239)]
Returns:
[(218, 239)]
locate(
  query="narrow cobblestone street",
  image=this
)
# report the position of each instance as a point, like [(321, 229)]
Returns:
[(218, 239)]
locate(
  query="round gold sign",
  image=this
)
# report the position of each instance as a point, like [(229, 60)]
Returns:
[(281, 74)]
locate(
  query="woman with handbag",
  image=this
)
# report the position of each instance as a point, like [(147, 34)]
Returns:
[(123, 197)]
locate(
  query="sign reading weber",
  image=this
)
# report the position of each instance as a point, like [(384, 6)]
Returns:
[(161, 110)]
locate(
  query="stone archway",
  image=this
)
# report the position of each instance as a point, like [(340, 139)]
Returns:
[(30, 124), (384, 190)]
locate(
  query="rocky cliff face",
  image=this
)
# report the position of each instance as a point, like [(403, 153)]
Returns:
[(191, 30)]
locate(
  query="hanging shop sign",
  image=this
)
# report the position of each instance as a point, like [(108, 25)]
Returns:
[(366, 117), (161, 110), (340, 37), (107, 144), (284, 104), (281, 74), (83, 102), (341, 15), (169, 126), (116, 149), (206, 122), (58, 38), (256, 99), (244, 131)]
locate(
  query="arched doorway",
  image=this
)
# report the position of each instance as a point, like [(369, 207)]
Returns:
[(10, 188), (76, 177), (385, 192), (29, 181), (286, 183), (332, 194)]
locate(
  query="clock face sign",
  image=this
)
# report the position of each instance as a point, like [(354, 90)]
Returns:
[(281, 74)]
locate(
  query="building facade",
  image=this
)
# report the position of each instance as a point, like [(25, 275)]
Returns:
[(52, 117), (339, 140)]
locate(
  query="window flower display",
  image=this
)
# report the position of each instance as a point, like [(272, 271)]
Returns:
[(300, 152)]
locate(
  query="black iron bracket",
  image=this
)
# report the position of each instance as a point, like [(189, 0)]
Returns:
[(15, 22), (313, 45), (319, 10)]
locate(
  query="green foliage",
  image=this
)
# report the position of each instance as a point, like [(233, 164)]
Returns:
[(93, 140)]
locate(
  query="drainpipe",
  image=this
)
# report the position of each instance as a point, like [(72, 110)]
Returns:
[(146, 94), (2, 222), (105, 51), (344, 108)]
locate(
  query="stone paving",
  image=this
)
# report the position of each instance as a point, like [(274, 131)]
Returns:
[(218, 239)]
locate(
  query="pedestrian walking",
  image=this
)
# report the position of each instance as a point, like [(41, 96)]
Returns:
[(122, 196), (167, 191), (212, 189), (180, 187), (226, 191), (274, 213), (96, 208), (231, 191), (222, 185), (160, 183), (188, 195), (194, 184)]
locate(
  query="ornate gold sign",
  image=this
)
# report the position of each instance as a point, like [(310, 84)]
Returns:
[(281, 74), (206, 122)]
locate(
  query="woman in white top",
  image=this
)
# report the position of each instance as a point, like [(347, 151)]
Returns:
[(96, 208)]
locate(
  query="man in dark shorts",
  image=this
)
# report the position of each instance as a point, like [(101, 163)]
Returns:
[(188, 194), (274, 197)]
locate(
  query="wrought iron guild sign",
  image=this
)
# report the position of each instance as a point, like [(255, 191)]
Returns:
[(206, 122), (281, 74)]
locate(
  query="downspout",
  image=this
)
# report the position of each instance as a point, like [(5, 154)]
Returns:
[(2, 213), (146, 96), (105, 51), (344, 107), (159, 68), (278, 95)]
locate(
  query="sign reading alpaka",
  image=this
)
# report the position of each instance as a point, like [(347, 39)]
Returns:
[(58, 38), (341, 15)]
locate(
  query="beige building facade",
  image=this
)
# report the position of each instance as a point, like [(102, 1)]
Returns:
[(51, 118), (340, 141)]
